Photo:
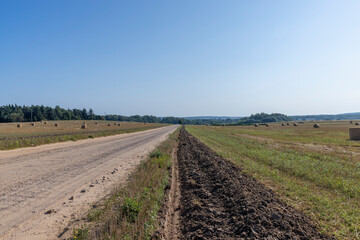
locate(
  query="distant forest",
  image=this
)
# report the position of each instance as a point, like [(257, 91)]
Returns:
[(343, 116), (264, 118), (16, 113)]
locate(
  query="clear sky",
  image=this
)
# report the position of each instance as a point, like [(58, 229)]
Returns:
[(182, 58)]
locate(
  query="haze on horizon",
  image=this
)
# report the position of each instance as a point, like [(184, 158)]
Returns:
[(182, 58)]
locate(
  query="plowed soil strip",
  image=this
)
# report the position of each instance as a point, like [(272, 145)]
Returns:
[(219, 201)]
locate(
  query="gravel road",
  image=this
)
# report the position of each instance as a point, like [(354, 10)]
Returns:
[(65, 179)]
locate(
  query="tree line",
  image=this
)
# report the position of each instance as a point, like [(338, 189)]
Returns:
[(16, 113), (264, 118)]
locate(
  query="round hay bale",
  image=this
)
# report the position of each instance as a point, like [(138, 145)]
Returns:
[(19, 125), (114, 124), (119, 124), (316, 125), (288, 124), (267, 125), (295, 124), (45, 122), (56, 124), (351, 121), (109, 124), (354, 133), (84, 126), (282, 124), (33, 124), (96, 123), (256, 125), (357, 124)]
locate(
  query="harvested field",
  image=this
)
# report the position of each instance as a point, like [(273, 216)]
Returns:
[(219, 201), (13, 137)]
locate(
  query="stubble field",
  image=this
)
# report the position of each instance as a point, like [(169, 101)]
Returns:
[(27, 135)]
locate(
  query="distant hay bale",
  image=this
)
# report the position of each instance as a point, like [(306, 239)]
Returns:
[(295, 124), (282, 124), (119, 124), (33, 124), (316, 125), (45, 122), (256, 125), (267, 125), (114, 124), (357, 124), (19, 125), (351, 121), (96, 123), (354, 133), (84, 122), (57, 124), (84, 126), (109, 124), (288, 124)]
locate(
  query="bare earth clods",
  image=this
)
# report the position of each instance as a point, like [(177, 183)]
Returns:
[(219, 201)]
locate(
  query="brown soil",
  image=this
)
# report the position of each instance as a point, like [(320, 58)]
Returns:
[(169, 213), (172, 218), (219, 201)]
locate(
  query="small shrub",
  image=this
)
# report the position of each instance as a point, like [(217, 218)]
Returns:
[(156, 154), (94, 215), (131, 209)]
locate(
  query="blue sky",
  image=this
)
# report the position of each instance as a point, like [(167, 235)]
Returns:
[(182, 58)]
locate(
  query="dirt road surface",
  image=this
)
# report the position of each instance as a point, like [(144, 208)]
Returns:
[(64, 179)]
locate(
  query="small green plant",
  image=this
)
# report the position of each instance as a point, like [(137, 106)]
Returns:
[(156, 154), (131, 209), (94, 215), (81, 233)]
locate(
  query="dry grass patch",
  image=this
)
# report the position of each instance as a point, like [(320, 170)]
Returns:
[(27, 135)]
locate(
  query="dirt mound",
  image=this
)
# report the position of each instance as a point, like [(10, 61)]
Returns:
[(219, 201)]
